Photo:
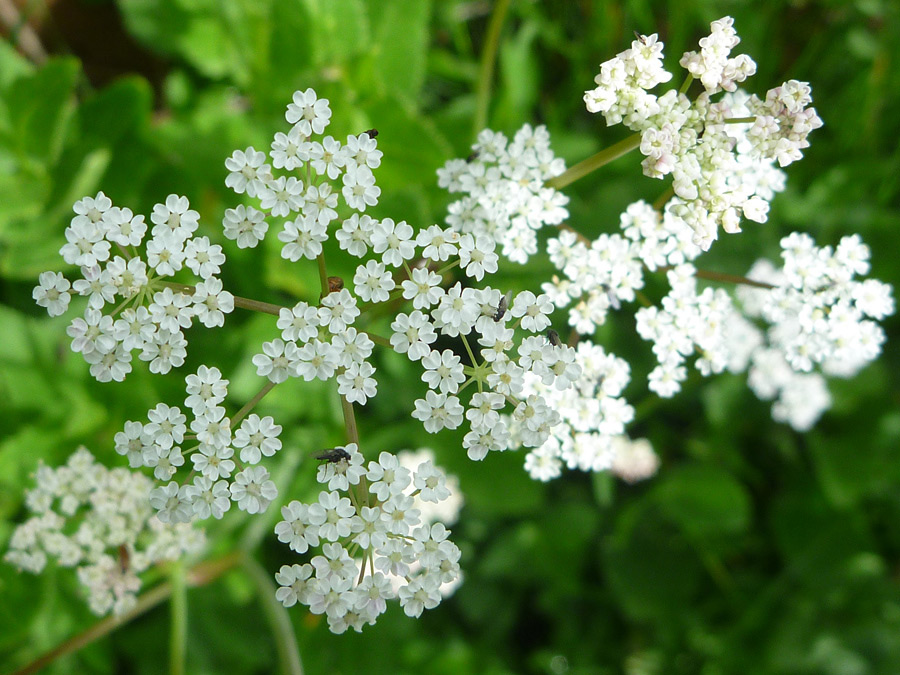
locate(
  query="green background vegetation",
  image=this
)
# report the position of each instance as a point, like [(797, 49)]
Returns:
[(755, 549)]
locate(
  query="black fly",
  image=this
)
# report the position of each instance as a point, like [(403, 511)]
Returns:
[(502, 307), (334, 455), (371, 133), (553, 337)]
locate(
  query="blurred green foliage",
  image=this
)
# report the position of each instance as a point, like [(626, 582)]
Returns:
[(755, 550)]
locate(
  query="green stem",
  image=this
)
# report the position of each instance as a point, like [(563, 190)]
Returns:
[(663, 199), (377, 339), (323, 274), (488, 60), (243, 303), (201, 574), (279, 622), (178, 634), (594, 162), (726, 278), (740, 120), (686, 85), (242, 413)]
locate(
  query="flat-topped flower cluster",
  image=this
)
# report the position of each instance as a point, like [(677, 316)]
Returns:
[(100, 522), (690, 139), (368, 511)]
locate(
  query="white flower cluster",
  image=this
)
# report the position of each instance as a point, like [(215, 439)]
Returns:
[(690, 322), (593, 416), (99, 521), (691, 140), (602, 274), (819, 316), (367, 511), (150, 313), (308, 204), (220, 477), (506, 199)]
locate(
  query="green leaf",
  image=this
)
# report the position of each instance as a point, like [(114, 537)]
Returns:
[(401, 43), (339, 29), (704, 501), (39, 110)]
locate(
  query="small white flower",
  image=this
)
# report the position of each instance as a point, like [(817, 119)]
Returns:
[(252, 490)]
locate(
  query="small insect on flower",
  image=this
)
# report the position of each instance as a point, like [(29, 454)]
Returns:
[(502, 307), (553, 337), (124, 559), (472, 157), (333, 455), (371, 133)]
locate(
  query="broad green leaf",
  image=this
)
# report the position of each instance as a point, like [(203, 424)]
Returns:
[(400, 45), (40, 108), (703, 500), (340, 31)]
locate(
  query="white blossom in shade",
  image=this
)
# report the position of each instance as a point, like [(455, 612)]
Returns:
[(85, 245), (296, 530), (420, 594), (504, 199), (252, 490), (293, 582), (430, 482), (338, 311), (212, 427), (412, 335), (166, 426), (327, 158), (202, 257), (165, 253), (96, 285), (248, 171), (438, 244), (532, 310), (111, 366), (172, 503), (256, 437), (245, 225), (443, 371), (351, 347), (438, 411), (316, 360), (423, 288), (213, 461), (339, 475), (372, 282), (171, 311), (476, 255), (212, 302), (93, 332), (332, 515), (175, 218), (282, 196), (131, 442), (278, 361), (209, 498), (93, 209), (356, 384), (387, 477), (362, 150), (309, 113), (320, 203), (299, 324), (355, 234), (359, 188), (165, 351), (634, 459), (394, 242), (290, 150), (302, 238), (99, 521), (52, 292), (129, 277)]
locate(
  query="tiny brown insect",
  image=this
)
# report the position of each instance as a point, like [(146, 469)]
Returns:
[(472, 157), (553, 336), (124, 559), (371, 133), (335, 284), (333, 455)]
